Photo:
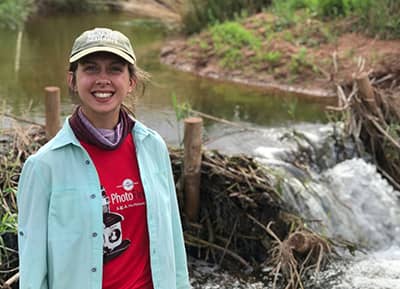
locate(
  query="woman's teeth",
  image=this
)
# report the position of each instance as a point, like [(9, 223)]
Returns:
[(102, 94)]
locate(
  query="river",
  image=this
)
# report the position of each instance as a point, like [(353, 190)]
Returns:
[(42, 61), (346, 194)]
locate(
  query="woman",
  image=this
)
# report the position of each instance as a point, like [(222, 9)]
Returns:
[(97, 203)]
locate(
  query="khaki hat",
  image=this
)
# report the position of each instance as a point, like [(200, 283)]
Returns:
[(102, 39)]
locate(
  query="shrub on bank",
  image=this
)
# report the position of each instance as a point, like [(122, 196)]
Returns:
[(202, 13), (373, 17), (13, 13)]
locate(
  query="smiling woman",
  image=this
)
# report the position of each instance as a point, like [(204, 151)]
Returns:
[(112, 218)]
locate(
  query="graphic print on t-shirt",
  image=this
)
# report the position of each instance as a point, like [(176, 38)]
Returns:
[(113, 244)]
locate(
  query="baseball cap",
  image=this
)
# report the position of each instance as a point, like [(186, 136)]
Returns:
[(102, 39)]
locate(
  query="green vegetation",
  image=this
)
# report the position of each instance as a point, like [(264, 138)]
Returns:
[(374, 17), (13, 13), (202, 13), (229, 38), (233, 34), (182, 111), (271, 57)]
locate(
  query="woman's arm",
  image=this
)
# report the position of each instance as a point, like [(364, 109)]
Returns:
[(182, 277), (33, 204)]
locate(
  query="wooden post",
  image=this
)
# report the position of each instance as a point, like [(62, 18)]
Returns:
[(367, 93), (192, 164), (52, 102)]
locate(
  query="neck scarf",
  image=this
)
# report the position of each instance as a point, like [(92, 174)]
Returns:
[(107, 139)]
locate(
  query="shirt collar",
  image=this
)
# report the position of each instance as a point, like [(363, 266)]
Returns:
[(66, 135)]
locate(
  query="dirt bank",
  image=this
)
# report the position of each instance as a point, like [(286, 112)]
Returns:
[(307, 58)]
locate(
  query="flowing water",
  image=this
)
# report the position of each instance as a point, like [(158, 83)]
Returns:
[(342, 196), (341, 191)]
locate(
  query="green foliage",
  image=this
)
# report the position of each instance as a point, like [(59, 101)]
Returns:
[(298, 60), (182, 111), (13, 13), (202, 13), (272, 57), (229, 38), (375, 17), (379, 18), (233, 34)]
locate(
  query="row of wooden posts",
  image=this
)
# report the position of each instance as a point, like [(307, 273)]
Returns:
[(192, 149)]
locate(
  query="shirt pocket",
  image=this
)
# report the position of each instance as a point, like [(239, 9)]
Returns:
[(69, 214)]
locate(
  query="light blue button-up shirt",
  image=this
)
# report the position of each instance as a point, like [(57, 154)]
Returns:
[(60, 220)]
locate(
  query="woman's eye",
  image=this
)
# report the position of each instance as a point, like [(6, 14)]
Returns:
[(116, 69), (90, 68)]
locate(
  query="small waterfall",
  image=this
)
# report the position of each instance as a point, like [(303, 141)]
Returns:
[(344, 197), (337, 193), (349, 201)]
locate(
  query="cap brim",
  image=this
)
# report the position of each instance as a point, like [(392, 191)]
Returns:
[(91, 50)]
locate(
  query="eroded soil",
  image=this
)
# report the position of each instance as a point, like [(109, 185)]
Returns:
[(313, 56)]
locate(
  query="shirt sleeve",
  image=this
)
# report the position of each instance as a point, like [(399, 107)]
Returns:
[(182, 276), (33, 204)]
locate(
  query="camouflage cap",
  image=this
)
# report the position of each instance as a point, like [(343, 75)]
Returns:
[(102, 39)]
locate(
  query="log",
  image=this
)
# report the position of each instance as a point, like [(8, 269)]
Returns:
[(192, 164), (52, 103)]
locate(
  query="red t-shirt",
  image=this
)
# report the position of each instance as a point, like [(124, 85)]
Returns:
[(126, 252)]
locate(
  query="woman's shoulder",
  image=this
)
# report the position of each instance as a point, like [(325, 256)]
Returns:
[(54, 146), (142, 131)]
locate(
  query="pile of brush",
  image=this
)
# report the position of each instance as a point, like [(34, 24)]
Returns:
[(370, 108), (15, 146)]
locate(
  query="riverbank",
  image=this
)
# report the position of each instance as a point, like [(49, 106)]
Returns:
[(306, 58)]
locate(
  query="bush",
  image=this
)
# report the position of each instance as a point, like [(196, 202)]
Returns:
[(13, 13), (379, 17), (202, 13), (233, 34), (229, 38), (375, 17)]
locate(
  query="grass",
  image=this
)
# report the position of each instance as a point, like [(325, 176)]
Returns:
[(229, 39)]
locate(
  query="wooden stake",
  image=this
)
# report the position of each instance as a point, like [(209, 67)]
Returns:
[(52, 103), (367, 92), (192, 164)]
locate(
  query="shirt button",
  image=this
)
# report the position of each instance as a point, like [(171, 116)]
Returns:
[(93, 269), (92, 196), (87, 162), (94, 234), (21, 233)]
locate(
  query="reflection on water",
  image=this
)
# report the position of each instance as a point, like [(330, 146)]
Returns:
[(45, 47)]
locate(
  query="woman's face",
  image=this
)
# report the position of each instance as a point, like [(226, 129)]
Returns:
[(102, 81)]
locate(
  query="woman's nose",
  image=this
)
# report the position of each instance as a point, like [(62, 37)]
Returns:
[(103, 81)]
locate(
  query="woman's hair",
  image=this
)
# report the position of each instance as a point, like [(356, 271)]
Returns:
[(140, 76)]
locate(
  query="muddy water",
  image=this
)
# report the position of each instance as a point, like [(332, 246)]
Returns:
[(42, 60)]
